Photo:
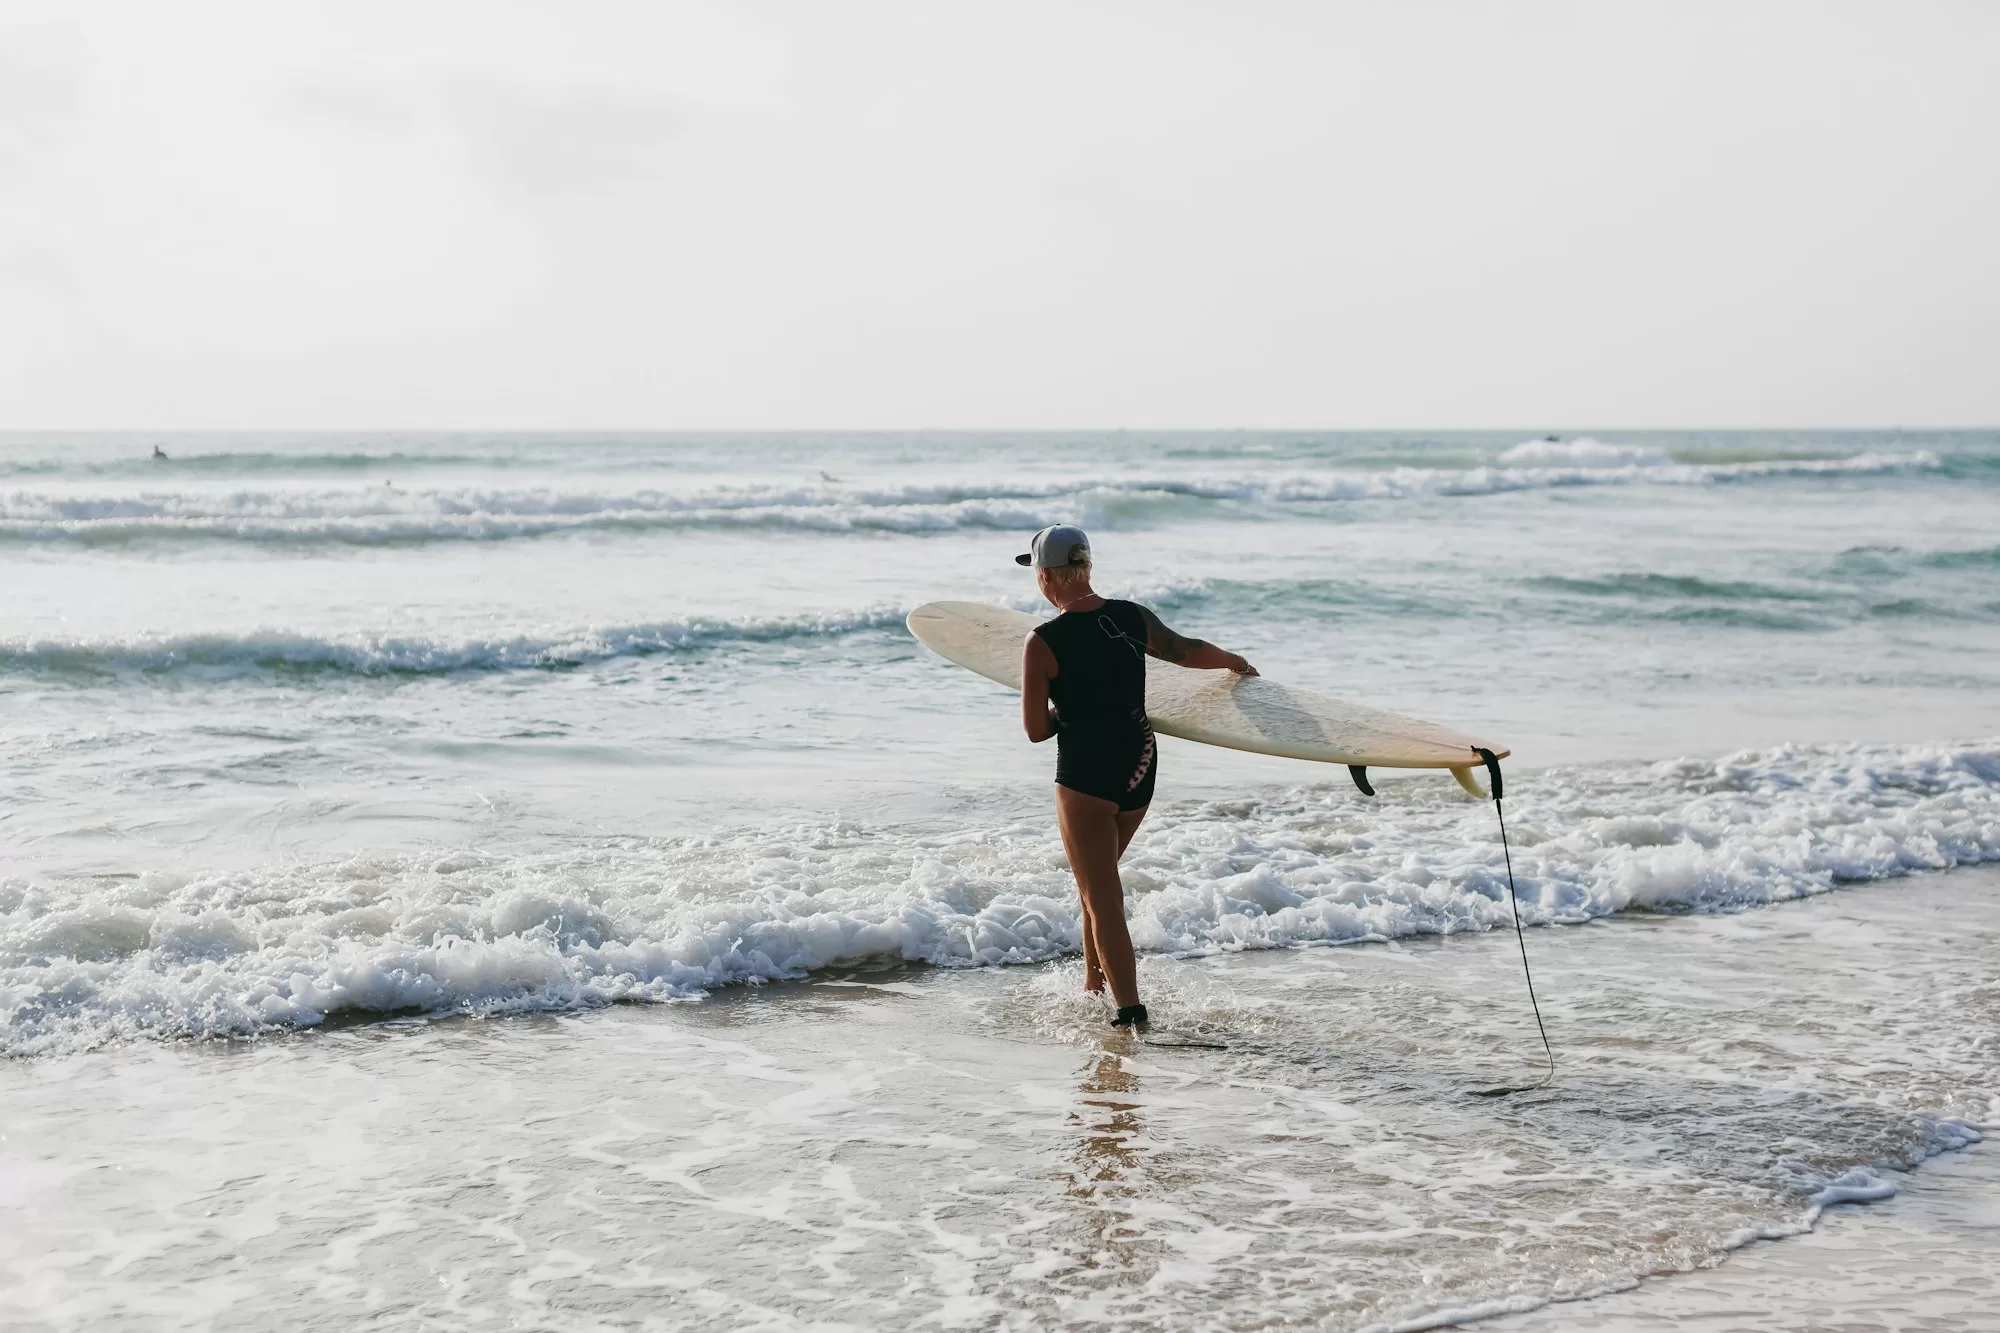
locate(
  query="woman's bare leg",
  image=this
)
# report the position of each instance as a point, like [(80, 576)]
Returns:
[(1091, 836), (1093, 963), (1128, 824), (1093, 966)]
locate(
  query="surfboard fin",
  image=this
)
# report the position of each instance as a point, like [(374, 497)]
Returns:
[(1359, 772), (1492, 763), (1466, 780)]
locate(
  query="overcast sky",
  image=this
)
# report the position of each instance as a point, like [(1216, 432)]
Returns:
[(1006, 214)]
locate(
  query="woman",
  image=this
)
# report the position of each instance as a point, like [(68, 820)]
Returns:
[(1083, 681)]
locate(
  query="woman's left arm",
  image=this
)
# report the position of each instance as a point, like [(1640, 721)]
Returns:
[(1200, 654)]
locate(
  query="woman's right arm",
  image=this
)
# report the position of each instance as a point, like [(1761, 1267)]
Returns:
[(1038, 668)]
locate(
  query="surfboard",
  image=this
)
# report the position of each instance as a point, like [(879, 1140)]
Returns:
[(1253, 713)]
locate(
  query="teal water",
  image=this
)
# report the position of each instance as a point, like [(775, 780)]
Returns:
[(231, 671)]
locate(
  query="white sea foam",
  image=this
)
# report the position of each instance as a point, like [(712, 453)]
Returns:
[(1584, 452), (371, 515), (381, 654), (82, 962), (375, 654)]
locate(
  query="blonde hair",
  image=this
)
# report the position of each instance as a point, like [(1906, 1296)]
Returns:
[(1070, 575)]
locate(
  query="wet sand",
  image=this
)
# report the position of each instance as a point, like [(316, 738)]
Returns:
[(1926, 1261)]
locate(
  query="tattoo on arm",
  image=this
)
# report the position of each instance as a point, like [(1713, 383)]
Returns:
[(1166, 645)]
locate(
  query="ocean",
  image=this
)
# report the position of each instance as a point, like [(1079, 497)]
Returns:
[(472, 880)]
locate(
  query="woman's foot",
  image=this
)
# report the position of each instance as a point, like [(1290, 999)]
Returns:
[(1130, 1016)]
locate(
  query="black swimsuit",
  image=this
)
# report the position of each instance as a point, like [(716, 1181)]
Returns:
[(1105, 747)]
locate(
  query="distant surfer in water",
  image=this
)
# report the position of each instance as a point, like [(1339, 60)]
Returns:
[(1083, 681)]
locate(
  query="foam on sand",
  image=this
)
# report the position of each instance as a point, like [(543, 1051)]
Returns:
[(897, 1148)]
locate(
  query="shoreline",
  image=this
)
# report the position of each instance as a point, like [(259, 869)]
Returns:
[(969, 1145), (1926, 1259), (539, 923)]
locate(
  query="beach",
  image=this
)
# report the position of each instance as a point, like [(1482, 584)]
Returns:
[(922, 1147), (1924, 1260), (471, 881)]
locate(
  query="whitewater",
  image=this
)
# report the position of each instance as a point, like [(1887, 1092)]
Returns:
[(603, 920), (429, 780)]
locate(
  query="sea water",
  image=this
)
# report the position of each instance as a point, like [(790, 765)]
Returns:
[(304, 732)]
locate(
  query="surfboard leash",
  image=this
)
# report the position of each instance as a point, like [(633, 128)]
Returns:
[(1492, 763)]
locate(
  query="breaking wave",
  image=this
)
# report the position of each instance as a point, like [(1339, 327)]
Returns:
[(1583, 453), (1819, 600), (369, 515), (475, 931), (252, 462), (388, 654)]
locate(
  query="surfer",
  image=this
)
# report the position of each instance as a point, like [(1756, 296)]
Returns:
[(1083, 681)]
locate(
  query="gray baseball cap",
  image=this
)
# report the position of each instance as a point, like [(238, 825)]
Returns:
[(1056, 547)]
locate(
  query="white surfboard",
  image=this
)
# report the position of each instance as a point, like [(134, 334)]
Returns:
[(1220, 707)]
